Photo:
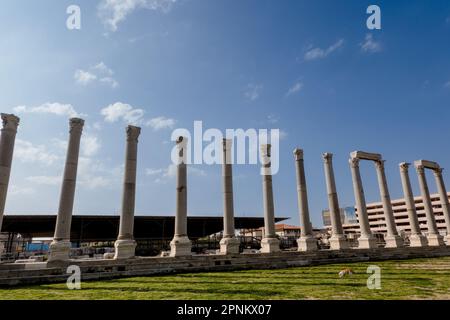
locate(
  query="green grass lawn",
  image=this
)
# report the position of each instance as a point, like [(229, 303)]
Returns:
[(407, 279)]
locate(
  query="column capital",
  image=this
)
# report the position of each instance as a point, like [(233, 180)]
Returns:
[(133, 133), (298, 154), (438, 171), (10, 121), (76, 124), (354, 162), (226, 144), (420, 169), (181, 144), (404, 166), (327, 157), (380, 164)]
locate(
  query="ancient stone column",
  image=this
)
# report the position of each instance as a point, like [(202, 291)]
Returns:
[(306, 242), (366, 240), (125, 244), (180, 244), (229, 244), (393, 240), (7, 140), (416, 239), (60, 246), (270, 242), (433, 236), (337, 240), (444, 200)]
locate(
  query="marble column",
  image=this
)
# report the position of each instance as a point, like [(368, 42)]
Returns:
[(306, 242), (7, 140), (337, 240), (444, 200), (60, 246), (433, 236), (393, 240), (270, 242), (180, 244), (366, 240), (229, 244), (125, 244), (416, 239)]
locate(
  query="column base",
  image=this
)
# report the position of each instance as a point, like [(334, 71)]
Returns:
[(418, 240), (270, 245), (59, 250), (367, 242), (180, 246), (435, 240), (393, 242), (229, 245), (307, 244), (338, 242), (125, 249)]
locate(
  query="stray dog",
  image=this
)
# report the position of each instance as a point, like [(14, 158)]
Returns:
[(345, 272)]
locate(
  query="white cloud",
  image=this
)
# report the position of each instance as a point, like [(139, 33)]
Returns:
[(20, 191), (90, 145), (447, 85), (370, 45), (152, 172), (122, 111), (295, 88), (319, 53), (56, 108), (110, 81), (165, 174), (112, 12), (102, 68), (45, 180), (161, 123), (99, 72), (94, 182), (253, 91), (27, 152), (84, 77), (271, 118)]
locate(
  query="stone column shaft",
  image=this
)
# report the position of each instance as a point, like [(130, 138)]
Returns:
[(416, 238), (306, 242), (392, 239), (366, 240), (125, 244), (337, 240), (269, 243), (228, 244), (60, 247), (180, 244), (7, 141), (433, 236), (444, 200)]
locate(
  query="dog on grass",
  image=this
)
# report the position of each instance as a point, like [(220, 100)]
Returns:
[(345, 272)]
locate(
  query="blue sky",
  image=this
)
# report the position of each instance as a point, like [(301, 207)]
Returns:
[(310, 68)]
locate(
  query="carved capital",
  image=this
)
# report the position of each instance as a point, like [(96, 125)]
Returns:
[(438, 171), (420, 169), (181, 144), (404, 166), (379, 164), (327, 157), (298, 154), (10, 121), (133, 133), (227, 144), (76, 125), (354, 162)]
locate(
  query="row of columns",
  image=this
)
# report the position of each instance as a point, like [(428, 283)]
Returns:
[(181, 245)]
